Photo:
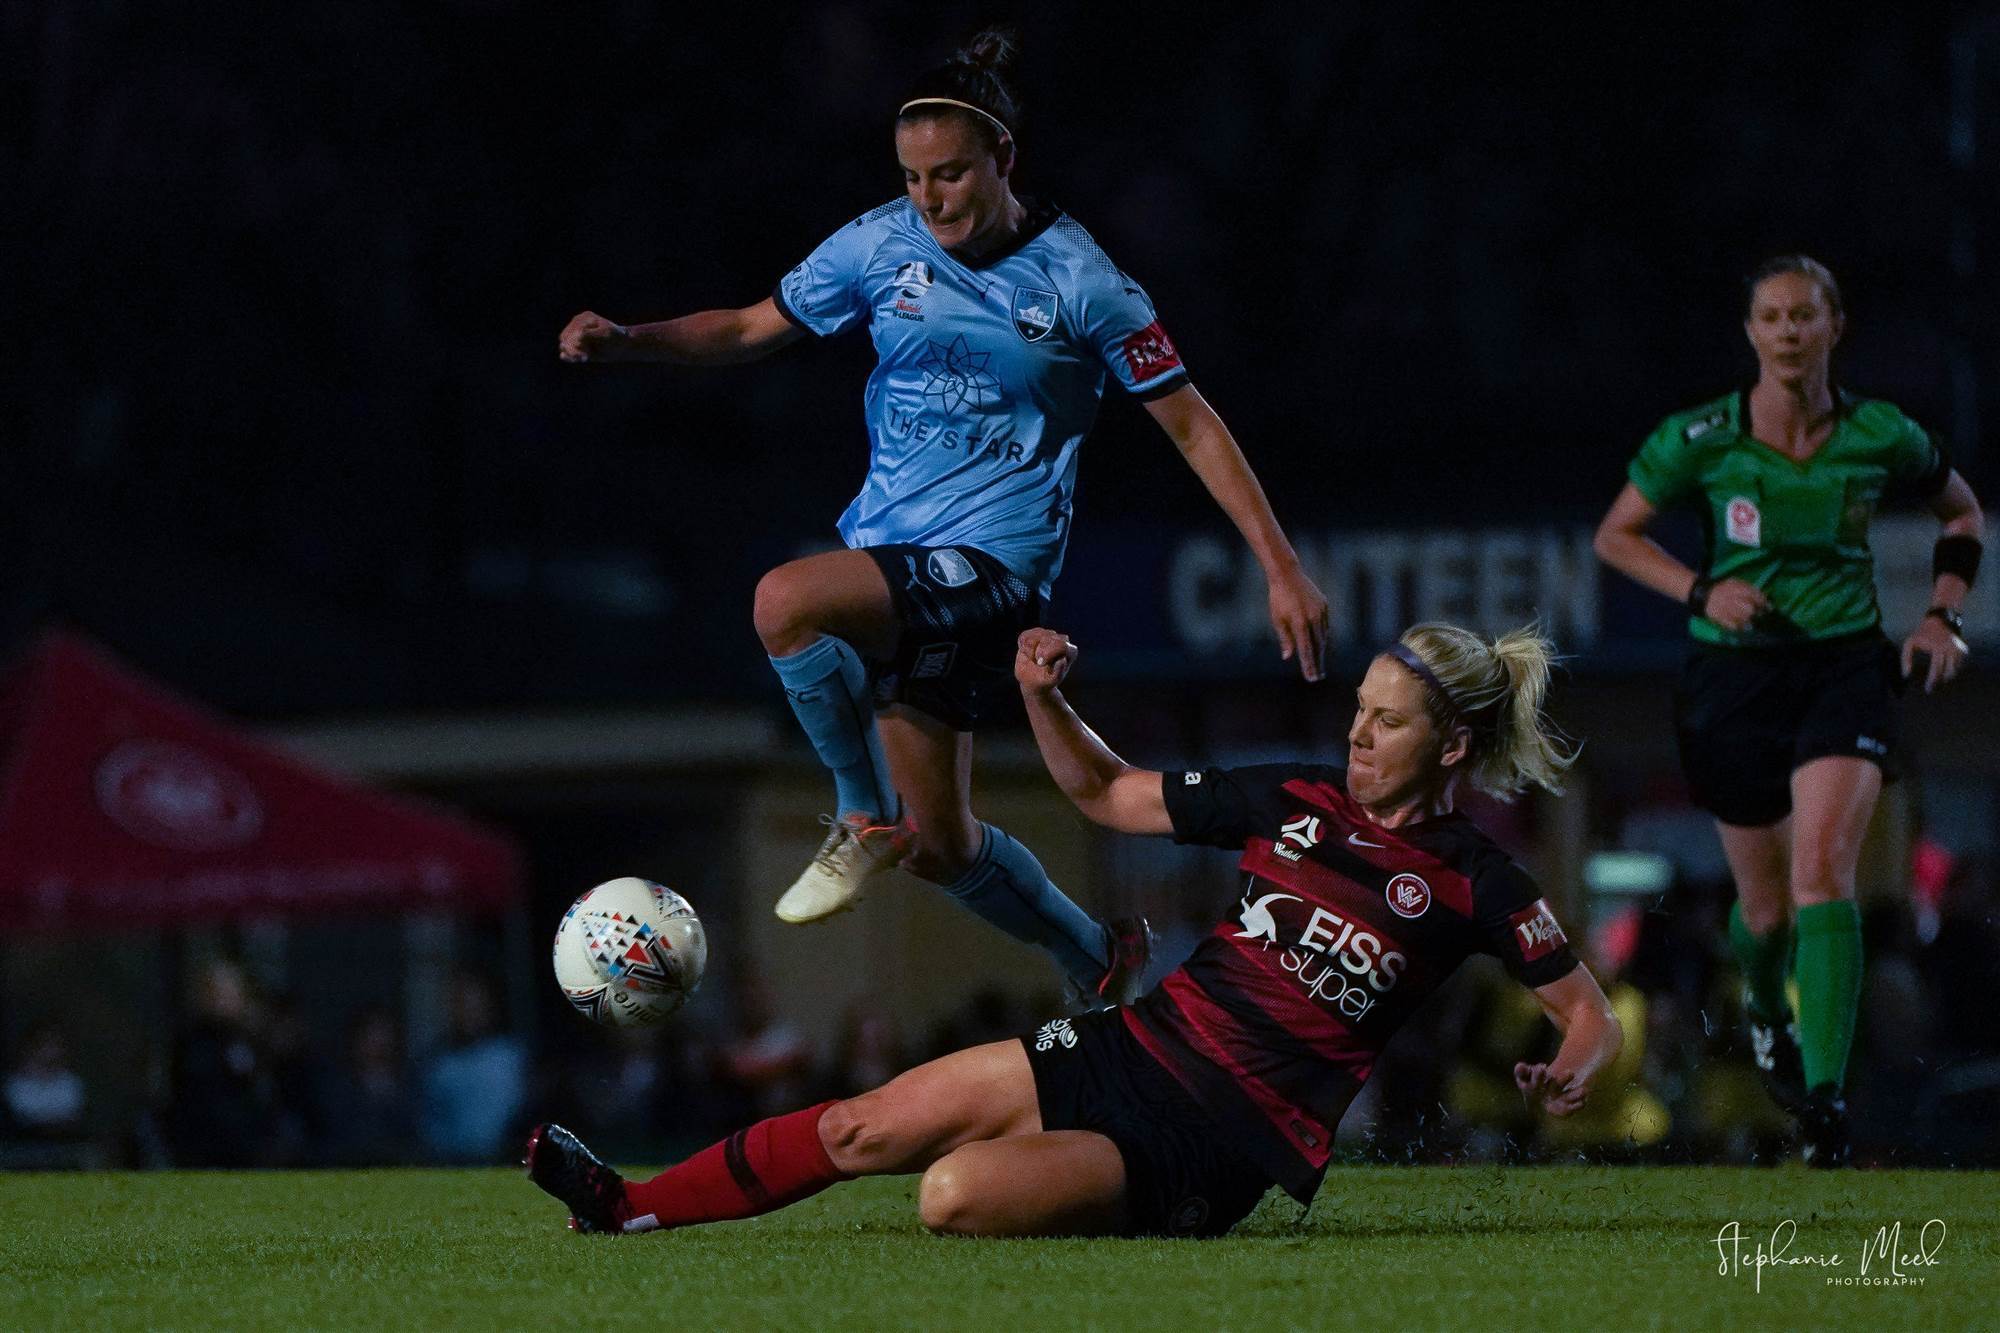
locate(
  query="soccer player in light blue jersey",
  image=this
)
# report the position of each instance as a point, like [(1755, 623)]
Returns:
[(996, 321)]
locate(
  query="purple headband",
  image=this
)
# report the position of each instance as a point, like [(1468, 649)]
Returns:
[(1407, 655)]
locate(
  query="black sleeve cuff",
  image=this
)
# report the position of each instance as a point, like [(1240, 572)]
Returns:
[(1209, 812), (1547, 971), (1927, 484), (785, 309), (1177, 380), (1173, 785)]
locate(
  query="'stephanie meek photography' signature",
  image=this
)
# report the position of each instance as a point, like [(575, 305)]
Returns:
[(1884, 1261)]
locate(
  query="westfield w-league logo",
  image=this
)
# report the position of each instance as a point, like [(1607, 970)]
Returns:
[(1302, 833)]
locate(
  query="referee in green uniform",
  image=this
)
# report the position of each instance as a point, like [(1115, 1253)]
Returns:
[(1786, 711)]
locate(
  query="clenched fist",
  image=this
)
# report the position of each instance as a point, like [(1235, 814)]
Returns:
[(1559, 1094), (590, 337), (1733, 604), (1041, 659)]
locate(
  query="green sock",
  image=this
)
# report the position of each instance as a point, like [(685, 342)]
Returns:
[(1829, 968), (1764, 960)]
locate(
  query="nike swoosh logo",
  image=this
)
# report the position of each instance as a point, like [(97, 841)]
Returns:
[(1357, 840)]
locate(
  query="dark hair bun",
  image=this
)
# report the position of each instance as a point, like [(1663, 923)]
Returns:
[(975, 77), (991, 48)]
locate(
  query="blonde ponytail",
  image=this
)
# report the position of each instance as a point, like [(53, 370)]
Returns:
[(1495, 688)]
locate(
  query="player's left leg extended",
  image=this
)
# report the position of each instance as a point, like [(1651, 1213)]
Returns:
[(905, 1125), (992, 875), (1068, 1182), (1832, 800)]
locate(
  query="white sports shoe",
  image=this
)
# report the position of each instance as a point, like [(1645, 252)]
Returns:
[(855, 852)]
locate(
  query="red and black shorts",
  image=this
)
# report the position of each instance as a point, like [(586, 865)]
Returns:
[(1181, 1178), (961, 613)]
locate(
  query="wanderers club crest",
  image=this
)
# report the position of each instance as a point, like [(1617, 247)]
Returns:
[(1034, 312)]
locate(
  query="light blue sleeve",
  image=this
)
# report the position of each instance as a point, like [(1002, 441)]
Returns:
[(824, 294), (1117, 319)]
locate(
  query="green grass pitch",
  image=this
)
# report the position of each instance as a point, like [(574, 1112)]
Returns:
[(1384, 1250)]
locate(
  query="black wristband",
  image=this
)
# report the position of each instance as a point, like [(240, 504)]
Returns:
[(1697, 598), (1957, 554), (1953, 620)]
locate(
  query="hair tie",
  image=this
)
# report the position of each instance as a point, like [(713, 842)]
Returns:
[(1483, 720), (1407, 655)]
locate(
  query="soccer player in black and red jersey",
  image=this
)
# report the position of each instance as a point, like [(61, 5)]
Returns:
[(1364, 890)]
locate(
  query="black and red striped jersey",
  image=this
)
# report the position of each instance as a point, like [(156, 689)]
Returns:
[(1344, 928)]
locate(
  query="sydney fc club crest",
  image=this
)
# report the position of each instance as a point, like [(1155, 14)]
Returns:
[(1034, 312)]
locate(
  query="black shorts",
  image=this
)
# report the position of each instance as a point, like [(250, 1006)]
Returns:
[(1747, 717), (1181, 1179), (961, 613)]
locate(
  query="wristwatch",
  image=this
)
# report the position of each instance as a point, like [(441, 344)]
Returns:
[(1953, 620)]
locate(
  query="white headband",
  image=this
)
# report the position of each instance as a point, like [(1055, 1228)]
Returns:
[(1005, 133)]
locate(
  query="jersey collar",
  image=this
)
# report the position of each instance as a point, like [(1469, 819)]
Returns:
[(1039, 218), (1739, 406)]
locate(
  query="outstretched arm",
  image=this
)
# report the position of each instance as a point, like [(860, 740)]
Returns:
[(1592, 1038), (1298, 610), (708, 338), (1106, 788)]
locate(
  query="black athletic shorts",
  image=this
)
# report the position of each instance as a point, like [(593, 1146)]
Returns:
[(1181, 1179), (961, 613), (1747, 717)]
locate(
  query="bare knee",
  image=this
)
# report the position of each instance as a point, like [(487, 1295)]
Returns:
[(783, 612), (857, 1138), (945, 1200)]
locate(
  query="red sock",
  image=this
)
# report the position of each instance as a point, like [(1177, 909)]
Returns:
[(756, 1170)]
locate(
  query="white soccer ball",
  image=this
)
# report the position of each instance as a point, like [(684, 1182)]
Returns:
[(629, 952)]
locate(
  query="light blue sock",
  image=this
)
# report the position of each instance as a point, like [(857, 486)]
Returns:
[(1008, 888), (828, 689)]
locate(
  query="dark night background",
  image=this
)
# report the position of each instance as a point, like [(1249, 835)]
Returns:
[(288, 285)]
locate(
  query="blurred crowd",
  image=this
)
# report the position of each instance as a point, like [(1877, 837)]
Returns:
[(1923, 1083), (244, 1085)]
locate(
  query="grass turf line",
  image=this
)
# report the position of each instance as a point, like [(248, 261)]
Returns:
[(1383, 1248)]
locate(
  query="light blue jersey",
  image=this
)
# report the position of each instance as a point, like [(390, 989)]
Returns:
[(987, 376)]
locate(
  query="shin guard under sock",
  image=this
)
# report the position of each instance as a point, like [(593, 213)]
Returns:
[(756, 1170), (1764, 960), (1008, 888), (827, 686), (1829, 975)]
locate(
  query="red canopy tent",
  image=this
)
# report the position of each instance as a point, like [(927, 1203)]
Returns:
[(122, 805)]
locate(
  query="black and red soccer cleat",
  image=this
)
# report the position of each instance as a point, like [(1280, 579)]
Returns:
[(558, 1162), (1131, 950)]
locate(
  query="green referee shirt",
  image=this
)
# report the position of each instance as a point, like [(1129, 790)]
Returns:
[(1799, 531)]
